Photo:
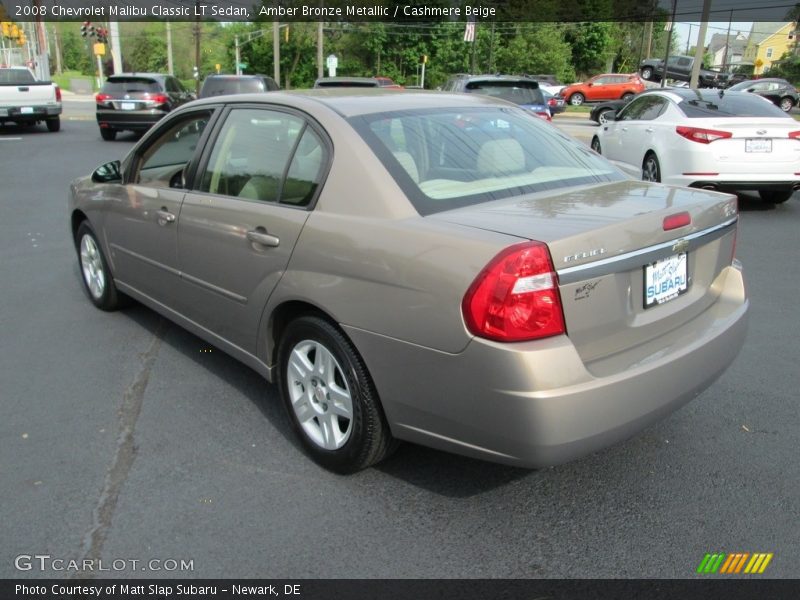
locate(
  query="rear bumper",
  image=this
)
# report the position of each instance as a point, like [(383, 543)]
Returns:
[(538, 404), (29, 113), (733, 186), (138, 120)]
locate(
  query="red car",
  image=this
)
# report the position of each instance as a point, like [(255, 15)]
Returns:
[(611, 86)]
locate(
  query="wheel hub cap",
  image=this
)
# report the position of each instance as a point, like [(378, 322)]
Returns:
[(92, 267), (319, 395)]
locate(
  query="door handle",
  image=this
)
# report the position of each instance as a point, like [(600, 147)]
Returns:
[(649, 130), (259, 235), (165, 217), (624, 129)]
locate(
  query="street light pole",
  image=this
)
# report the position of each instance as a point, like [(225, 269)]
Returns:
[(238, 55)]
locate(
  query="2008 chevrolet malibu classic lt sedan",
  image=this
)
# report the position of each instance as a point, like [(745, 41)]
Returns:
[(442, 269)]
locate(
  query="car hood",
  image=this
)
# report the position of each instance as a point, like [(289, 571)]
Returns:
[(616, 217)]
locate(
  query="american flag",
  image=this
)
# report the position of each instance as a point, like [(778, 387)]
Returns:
[(469, 31)]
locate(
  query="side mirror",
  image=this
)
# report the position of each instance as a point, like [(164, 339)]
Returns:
[(752, 89), (611, 115), (590, 84), (108, 173)]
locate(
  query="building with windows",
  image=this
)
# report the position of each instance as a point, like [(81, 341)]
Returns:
[(767, 44)]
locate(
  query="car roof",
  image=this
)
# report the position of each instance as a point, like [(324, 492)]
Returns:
[(351, 102), (345, 79), (231, 76)]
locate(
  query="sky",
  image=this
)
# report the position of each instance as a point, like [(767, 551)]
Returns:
[(683, 30)]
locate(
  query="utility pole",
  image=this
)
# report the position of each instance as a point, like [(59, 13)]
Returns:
[(649, 39), (170, 65), (701, 45), (320, 66), (727, 42), (59, 70), (276, 52), (689, 37), (669, 42), (116, 47), (197, 49)]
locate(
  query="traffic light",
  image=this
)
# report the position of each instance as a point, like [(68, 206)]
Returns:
[(85, 28), (195, 72)]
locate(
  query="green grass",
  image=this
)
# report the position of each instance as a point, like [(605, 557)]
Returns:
[(578, 109), (63, 80)]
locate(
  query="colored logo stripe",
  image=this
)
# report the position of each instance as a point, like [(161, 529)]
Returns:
[(734, 563)]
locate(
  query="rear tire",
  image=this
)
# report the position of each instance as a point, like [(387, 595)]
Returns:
[(95, 274), (775, 196), (627, 96), (647, 73), (596, 145), (53, 125), (576, 99), (107, 134), (330, 397), (601, 116), (651, 168), (786, 104)]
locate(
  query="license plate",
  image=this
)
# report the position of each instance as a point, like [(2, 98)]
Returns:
[(757, 145), (665, 280), (26, 110), (128, 106)]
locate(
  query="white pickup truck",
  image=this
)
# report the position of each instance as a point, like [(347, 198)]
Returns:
[(26, 101)]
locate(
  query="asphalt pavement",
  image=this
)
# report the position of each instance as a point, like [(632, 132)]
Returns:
[(125, 438)]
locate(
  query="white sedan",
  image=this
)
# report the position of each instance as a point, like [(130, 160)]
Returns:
[(711, 139)]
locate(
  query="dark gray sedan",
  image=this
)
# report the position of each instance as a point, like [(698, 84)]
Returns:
[(436, 268)]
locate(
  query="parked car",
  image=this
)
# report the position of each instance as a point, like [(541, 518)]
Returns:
[(556, 104), (26, 101), (493, 288), (679, 68), (365, 82), (611, 86), (522, 91), (601, 110), (136, 101), (779, 91), (219, 85), (727, 141)]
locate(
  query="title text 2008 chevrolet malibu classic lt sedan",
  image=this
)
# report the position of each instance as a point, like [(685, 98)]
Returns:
[(437, 268)]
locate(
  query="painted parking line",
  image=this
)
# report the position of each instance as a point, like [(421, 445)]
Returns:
[(9, 139)]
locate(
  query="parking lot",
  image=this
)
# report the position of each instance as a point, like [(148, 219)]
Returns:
[(125, 438)]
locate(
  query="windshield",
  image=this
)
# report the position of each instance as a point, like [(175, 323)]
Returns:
[(447, 158)]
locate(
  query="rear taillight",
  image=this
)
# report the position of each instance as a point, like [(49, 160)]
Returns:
[(515, 298), (101, 97), (58, 94), (794, 135), (160, 98), (702, 136)]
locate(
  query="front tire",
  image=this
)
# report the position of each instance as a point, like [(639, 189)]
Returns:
[(53, 125), (576, 99), (775, 196), (651, 169), (786, 104), (95, 274), (108, 135), (330, 397), (596, 145)]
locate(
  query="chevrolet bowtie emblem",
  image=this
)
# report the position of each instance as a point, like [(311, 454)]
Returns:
[(680, 246)]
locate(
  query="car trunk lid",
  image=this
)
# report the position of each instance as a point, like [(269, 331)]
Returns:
[(606, 242)]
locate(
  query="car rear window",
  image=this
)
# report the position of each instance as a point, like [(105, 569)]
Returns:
[(217, 87), (721, 104), (512, 91), (349, 84), (128, 85), (16, 76), (448, 158)]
